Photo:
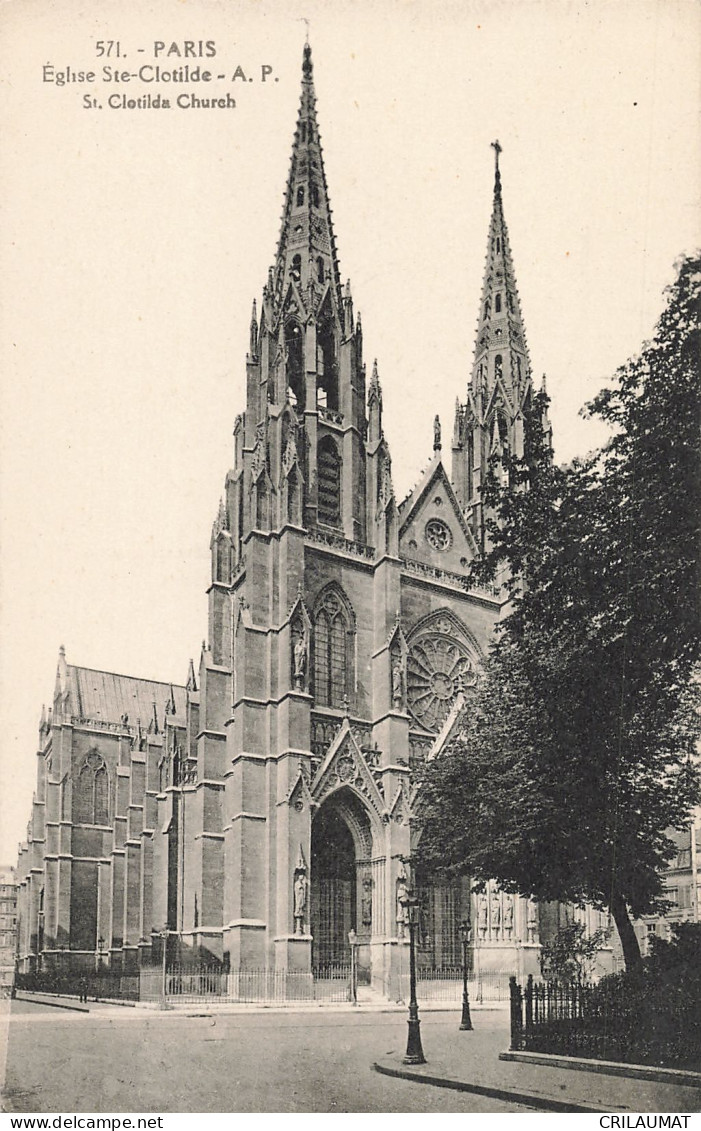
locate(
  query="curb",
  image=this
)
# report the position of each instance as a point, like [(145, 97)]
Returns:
[(528, 1099), (679, 1076), (51, 1002)]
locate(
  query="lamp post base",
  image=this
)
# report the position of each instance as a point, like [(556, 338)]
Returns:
[(414, 1049)]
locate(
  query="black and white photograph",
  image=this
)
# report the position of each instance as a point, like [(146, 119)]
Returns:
[(350, 466)]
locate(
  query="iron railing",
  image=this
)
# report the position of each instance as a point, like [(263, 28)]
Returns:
[(105, 984), (192, 985), (612, 1020), (445, 984)]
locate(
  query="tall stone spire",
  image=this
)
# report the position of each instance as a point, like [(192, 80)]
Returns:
[(305, 423), (501, 354), (492, 420), (306, 250)]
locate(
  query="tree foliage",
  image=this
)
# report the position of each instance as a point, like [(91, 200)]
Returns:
[(568, 957), (576, 754)]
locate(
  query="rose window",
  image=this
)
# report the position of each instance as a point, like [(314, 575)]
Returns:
[(438, 669), (438, 535)]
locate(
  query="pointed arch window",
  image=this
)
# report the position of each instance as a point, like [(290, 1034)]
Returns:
[(300, 194), (63, 798), (294, 509), (294, 361), (223, 565), (320, 269), (261, 504), (315, 195), (91, 805), (326, 366), (497, 304), (498, 244), (498, 364), (304, 131), (296, 268), (329, 473), (334, 627)]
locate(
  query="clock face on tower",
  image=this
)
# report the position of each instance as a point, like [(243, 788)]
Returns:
[(439, 667)]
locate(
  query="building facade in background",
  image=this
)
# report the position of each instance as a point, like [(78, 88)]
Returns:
[(260, 812), (8, 925)]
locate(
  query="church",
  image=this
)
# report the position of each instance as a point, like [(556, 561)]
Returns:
[(257, 814)]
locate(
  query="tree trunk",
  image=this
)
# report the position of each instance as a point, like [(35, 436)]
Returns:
[(631, 950)]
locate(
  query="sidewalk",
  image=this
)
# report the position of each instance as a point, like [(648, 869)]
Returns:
[(469, 1062)]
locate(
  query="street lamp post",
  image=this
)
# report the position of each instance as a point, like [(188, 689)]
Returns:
[(353, 940), (414, 1049), (98, 965), (465, 935), (164, 936)]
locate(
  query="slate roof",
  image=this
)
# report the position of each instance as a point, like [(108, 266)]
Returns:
[(106, 696)]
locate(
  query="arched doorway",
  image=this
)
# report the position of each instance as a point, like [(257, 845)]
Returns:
[(340, 866)]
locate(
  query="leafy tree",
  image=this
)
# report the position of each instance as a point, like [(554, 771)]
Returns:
[(576, 753), (568, 956)]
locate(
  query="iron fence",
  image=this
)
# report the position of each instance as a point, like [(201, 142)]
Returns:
[(196, 985), (105, 984), (444, 984), (612, 1020)]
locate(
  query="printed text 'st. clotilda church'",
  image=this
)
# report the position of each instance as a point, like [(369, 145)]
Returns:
[(263, 810)]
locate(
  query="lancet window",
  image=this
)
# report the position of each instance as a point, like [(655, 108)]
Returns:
[(294, 359), (333, 649), (92, 795)]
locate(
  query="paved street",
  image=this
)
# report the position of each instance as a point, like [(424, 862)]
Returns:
[(128, 1061)]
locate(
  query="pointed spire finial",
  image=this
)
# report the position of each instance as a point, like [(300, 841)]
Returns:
[(497, 175), (307, 68)]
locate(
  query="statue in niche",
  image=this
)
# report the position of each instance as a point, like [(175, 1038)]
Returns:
[(508, 916), (397, 681), (436, 433), (482, 916), (532, 920), (402, 893), (496, 914), (366, 903), (299, 658), (301, 886)]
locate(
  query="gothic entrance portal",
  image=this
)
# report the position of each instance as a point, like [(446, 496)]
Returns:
[(341, 897)]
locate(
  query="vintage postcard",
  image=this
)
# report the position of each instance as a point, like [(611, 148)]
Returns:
[(277, 281)]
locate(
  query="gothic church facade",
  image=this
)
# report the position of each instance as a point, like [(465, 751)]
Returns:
[(262, 811)]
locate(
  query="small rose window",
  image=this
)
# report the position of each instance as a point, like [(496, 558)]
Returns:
[(438, 535)]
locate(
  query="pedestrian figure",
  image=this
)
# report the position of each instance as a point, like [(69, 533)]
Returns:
[(84, 989)]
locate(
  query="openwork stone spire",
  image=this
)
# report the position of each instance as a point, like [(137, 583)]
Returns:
[(307, 248), (501, 354)]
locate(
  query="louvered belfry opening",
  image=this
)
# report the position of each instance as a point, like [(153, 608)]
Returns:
[(329, 469)]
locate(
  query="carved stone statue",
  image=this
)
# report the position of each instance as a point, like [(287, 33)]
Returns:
[(436, 433), (532, 920), (402, 893), (508, 916), (300, 892), (496, 914), (366, 903), (397, 682), (299, 656), (482, 916)]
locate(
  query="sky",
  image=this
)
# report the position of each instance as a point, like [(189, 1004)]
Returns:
[(133, 242)]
